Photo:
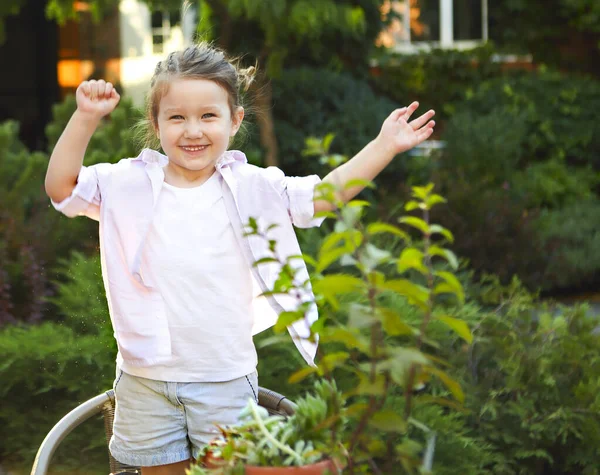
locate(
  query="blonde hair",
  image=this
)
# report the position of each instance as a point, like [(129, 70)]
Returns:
[(199, 61)]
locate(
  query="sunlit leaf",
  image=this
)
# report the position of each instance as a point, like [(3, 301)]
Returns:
[(459, 326), (412, 258), (415, 222), (437, 229), (377, 228), (447, 254), (450, 383), (302, 374), (392, 323)]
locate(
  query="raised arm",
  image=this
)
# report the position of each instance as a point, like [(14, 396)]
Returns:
[(397, 135), (95, 99)]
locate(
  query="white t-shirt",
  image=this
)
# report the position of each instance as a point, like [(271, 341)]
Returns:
[(192, 255)]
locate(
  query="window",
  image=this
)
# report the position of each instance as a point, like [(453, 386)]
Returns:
[(161, 24), (440, 23)]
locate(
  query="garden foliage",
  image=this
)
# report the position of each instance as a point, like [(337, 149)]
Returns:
[(521, 155)]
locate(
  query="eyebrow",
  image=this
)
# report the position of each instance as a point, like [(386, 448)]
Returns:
[(179, 109)]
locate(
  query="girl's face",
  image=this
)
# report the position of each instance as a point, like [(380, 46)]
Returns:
[(194, 125)]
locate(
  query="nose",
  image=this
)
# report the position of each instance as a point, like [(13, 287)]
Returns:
[(193, 129)]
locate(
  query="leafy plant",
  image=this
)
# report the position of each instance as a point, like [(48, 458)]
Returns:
[(263, 440), (532, 381), (378, 348)]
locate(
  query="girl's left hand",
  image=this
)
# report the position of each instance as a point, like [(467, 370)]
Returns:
[(398, 135)]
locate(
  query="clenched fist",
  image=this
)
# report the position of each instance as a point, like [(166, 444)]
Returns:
[(96, 98)]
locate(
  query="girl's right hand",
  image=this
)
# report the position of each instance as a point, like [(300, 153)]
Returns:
[(96, 98)]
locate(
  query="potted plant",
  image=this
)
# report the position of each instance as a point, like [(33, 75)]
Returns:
[(307, 443), (385, 351)]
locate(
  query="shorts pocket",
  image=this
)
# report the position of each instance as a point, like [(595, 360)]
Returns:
[(252, 380), (117, 379)]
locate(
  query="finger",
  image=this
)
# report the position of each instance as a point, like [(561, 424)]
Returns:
[(422, 120), (425, 132), (93, 89), (410, 110), (85, 88), (108, 90), (396, 114), (101, 89)]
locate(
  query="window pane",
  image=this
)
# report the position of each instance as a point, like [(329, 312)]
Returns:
[(157, 20), (467, 20), (425, 20)]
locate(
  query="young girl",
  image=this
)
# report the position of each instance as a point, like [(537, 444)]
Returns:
[(177, 269)]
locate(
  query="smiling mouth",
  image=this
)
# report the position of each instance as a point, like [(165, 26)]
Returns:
[(196, 148)]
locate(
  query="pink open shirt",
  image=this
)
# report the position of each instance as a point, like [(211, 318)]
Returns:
[(122, 197)]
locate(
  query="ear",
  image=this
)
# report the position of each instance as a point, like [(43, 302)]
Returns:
[(237, 119)]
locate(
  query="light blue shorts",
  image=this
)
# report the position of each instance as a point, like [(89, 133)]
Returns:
[(158, 422)]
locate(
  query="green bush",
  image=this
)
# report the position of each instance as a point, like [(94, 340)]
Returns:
[(440, 79), (532, 380), (49, 369), (310, 101), (569, 238), (559, 113), (519, 148)]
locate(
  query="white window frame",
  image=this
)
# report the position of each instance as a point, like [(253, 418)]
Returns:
[(163, 31), (405, 45)]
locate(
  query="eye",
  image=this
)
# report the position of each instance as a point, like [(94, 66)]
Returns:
[(176, 117), (209, 115)]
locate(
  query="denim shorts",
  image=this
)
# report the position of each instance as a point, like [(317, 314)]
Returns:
[(158, 422)]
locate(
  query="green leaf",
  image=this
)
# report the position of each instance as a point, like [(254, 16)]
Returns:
[(327, 142), (392, 323), (433, 200), (416, 294), (412, 258), (437, 229), (329, 257), (366, 387), (422, 192), (446, 254), (378, 228), (453, 285), (358, 182), (347, 337), (450, 383), (264, 260), (337, 284), (358, 204), (415, 222), (302, 374), (388, 421), (287, 318), (459, 326), (334, 360)]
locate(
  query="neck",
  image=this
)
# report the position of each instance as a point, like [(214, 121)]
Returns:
[(184, 178)]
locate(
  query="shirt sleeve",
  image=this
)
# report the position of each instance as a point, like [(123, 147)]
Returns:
[(85, 197), (298, 194)]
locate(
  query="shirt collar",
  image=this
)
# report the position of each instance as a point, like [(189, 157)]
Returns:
[(149, 156)]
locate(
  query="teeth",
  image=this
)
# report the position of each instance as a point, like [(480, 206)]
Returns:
[(195, 149)]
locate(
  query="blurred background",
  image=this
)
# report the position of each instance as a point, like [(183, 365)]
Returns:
[(515, 84)]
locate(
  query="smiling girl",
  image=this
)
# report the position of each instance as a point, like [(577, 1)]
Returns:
[(182, 290)]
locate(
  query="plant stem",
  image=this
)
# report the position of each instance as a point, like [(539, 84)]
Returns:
[(412, 374), (269, 436)]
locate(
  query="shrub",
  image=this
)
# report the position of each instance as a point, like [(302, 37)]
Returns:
[(309, 101), (569, 239), (439, 79), (532, 381), (558, 111), (48, 369)]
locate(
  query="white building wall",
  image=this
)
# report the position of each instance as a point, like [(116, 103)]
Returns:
[(137, 58)]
